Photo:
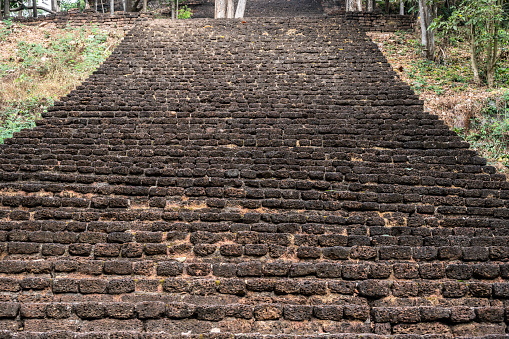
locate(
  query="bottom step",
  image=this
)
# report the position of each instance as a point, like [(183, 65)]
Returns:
[(163, 335)]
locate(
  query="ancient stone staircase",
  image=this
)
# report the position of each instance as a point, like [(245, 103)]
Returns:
[(256, 178)]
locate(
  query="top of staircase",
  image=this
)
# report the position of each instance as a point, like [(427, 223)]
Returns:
[(267, 8)]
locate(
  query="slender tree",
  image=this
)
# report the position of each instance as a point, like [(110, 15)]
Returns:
[(482, 22), (226, 9), (349, 5), (230, 9), (473, 53), (241, 7), (494, 21), (220, 9), (426, 12), (7, 9), (370, 7)]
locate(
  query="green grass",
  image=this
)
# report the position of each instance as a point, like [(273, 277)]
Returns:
[(432, 76), (75, 49), (489, 132), (22, 115), (452, 68), (41, 70), (6, 30)]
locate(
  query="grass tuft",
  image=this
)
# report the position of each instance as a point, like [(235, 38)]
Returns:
[(38, 65)]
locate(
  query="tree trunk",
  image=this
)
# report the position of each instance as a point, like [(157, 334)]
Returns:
[(349, 5), (7, 9), (401, 7), (473, 55), (173, 9), (492, 55), (230, 9), (220, 9), (112, 7), (359, 5), (427, 35), (144, 5), (387, 8), (241, 8), (423, 24), (493, 48), (370, 6), (34, 9)]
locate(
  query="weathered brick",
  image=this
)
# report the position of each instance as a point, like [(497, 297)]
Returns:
[(328, 312), (179, 310), (210, 313), (169, 268), (268, 312), (120, 286), (297, 312), (89, 310), (120, 310), (150, 309), (373, 289)]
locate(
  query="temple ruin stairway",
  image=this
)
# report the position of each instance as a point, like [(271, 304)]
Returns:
[(255, 178)]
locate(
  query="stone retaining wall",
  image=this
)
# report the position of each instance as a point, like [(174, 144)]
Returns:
[(333, 7), (380, 22), (120, 20), (371, 21)]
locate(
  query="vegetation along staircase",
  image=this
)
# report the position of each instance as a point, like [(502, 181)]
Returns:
[(256, 178)]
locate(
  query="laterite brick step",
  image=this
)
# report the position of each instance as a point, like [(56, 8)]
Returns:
[(135, 335), (256, 178)]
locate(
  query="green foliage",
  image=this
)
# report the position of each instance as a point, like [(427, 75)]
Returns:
[(433, 76), (60, 62), (481, 23), (489, 132), (66, 5), (95, 51), (5, 31), (477, 12), (76, 49), (22, 115), (502, 75), (185, 12)]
